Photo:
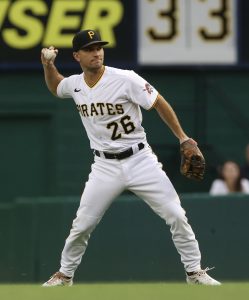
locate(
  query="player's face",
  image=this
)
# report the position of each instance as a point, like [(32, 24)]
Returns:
[(90, 58)]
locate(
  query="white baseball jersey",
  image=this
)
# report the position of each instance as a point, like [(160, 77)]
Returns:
[(110, 110)]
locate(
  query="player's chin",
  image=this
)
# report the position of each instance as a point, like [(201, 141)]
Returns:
[(97, 65), (97, 62)]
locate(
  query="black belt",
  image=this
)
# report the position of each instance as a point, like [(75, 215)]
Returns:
[(120, 155)]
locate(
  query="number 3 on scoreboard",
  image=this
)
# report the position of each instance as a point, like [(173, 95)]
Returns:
[(220, 14)]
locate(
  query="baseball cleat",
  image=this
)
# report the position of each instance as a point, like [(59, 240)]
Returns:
[(201, 277), (58, 279)]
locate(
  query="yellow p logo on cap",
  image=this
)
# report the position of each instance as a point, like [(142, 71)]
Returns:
[(91, 34)]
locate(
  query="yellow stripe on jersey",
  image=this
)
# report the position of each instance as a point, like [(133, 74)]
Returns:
[(154, 103), (98, 79)]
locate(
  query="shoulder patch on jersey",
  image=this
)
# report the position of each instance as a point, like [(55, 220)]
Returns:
[(148, 88)]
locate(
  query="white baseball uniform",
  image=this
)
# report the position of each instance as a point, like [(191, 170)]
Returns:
[(110, 112)]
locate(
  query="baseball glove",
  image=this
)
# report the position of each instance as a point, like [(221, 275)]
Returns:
[(192, 160)]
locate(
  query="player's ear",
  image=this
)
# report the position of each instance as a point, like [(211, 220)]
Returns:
[(76, 56)]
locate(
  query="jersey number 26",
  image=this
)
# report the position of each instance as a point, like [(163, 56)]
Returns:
[(127, 125)]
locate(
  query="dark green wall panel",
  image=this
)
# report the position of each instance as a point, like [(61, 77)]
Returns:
[(6, 242), (130, 244), (26, 152)]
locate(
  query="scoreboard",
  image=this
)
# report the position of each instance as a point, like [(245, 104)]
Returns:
[(187, 32), (140, 32)]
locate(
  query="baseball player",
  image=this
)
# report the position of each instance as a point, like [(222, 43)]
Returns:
[(108, 101)]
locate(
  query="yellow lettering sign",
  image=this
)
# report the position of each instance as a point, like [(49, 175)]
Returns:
[(31, 26), (33, 22), (59, 20), (4, 5), (105, 24)]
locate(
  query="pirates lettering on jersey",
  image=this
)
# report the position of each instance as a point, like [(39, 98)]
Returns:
[(96, 109)]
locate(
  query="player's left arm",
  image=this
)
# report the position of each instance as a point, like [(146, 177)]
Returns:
[(168, 115)]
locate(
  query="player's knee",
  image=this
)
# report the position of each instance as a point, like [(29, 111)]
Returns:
[(84, 225), (175, 216)]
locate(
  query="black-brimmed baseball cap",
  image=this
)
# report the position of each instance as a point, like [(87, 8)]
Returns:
[(87, 38)]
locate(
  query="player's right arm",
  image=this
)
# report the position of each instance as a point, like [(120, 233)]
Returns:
[(51, 74), (169, 117)]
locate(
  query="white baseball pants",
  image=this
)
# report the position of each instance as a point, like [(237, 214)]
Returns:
[(142, 174)]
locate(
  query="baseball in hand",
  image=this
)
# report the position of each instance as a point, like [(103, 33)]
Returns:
[(49, 54)]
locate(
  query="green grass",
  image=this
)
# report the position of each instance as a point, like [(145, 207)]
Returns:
[(127, 291)]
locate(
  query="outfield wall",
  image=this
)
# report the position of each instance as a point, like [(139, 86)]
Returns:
[(130, 244)]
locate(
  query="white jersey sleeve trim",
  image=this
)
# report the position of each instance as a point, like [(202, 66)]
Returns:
[(154, 103), (66, 86), (60, 89)]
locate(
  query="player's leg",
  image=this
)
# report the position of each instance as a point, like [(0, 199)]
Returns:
[(154, 187), (103, 186)]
